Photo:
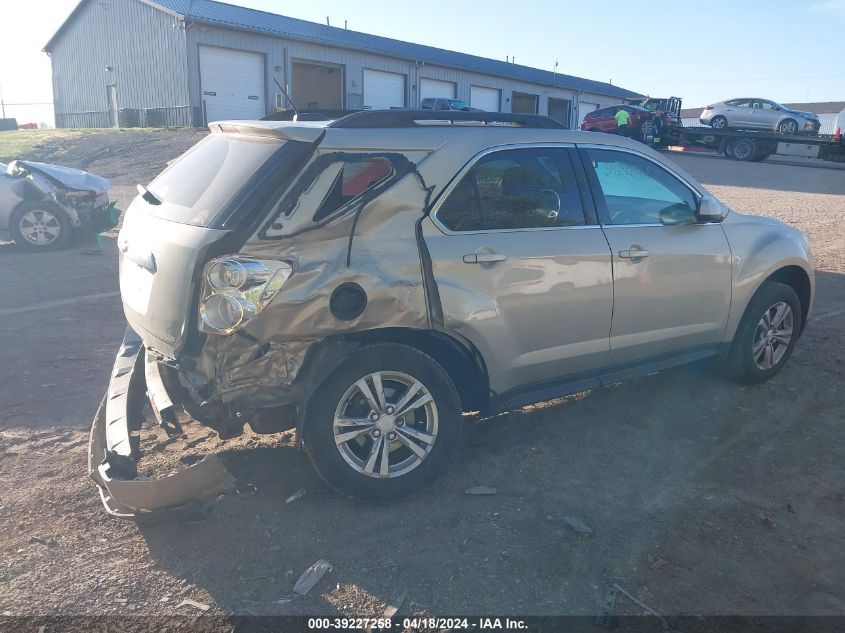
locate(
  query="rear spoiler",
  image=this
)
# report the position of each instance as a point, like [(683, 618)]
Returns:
[(307, 132)]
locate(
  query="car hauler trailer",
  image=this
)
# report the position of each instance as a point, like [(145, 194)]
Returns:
[(756, 146)]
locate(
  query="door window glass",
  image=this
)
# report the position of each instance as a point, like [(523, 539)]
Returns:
[(637, 191), (515, 189)]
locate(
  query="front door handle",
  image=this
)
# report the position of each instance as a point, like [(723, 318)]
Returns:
[(484, 258), (635, 252)]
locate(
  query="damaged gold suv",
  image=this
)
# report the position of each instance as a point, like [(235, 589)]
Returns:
[(367, 280)]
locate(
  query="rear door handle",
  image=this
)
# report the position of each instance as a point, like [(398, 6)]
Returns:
[(634, 253), (484, 258)]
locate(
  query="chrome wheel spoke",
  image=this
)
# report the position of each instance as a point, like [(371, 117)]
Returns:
[(343, 438), (370, 466), (768, 356), (384, 468), (365, 390), (341, 421), (426, 438), (416, 449), (412, 391), (758, 347), (781, 310), (381, 399), (783, 337)]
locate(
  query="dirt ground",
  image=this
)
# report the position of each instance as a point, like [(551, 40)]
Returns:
[(703, 497)]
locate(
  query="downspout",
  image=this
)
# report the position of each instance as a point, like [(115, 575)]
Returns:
[(576, 110)]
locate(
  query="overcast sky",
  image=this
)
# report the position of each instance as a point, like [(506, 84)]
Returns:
[(703, 51)]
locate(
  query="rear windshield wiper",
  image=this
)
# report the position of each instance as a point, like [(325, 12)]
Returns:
[(148, 195)]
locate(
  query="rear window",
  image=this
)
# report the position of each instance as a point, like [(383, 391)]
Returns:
[(198, 185)]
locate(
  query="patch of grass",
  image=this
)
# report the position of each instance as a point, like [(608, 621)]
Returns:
[(22, 143)]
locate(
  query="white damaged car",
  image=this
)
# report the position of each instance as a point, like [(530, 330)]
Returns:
[(40, 204)]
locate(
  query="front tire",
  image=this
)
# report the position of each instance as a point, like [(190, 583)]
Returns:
[(384, 425), (766, 335), (40, 226), (788, 126)]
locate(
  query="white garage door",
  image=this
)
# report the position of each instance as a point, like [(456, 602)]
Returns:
[(584, 109), (436, 89), (232, 83), (383, 91), (488, 99)]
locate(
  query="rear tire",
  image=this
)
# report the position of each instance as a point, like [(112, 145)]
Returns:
[(744, 149), (766, 335), (719, 122), (39, 226), (416, 437)]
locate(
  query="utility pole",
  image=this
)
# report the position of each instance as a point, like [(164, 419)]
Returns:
[(2, 103)]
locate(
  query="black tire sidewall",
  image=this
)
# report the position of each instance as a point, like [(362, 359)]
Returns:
[(741, 358), (60, 215), (744, 142), (318, 430)]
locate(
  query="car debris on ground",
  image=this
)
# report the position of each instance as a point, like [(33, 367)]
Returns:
[(296, 496), (578, 526), (480, 490), (187, 602), (311, 577)]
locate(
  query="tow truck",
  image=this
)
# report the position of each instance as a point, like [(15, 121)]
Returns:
[(755, 146), (739, 144)]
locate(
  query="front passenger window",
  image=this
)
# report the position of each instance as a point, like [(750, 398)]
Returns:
[(635, 190)]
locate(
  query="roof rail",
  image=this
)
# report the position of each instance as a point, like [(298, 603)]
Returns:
[(410, 118)]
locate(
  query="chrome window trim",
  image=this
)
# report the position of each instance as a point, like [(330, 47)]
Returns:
[(444, 195)]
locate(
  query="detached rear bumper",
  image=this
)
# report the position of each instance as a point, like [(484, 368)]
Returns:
[(114, 448)]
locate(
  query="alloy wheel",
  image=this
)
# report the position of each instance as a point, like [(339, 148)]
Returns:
[(40, 227), (385, 424), (772, 336)]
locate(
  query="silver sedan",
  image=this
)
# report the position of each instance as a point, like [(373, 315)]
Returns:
[(759, 114)]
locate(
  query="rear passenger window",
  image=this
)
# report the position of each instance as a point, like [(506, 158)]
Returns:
[(515, 189), (353, 179)]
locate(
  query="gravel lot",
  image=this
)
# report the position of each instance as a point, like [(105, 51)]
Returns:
[(703, 497)]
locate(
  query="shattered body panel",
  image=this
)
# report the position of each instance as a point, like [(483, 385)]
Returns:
[(256, 367)]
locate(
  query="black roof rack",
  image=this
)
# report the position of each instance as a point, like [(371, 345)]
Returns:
[(410, 118)]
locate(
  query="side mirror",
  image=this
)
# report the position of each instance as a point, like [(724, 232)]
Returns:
[(710, 210)]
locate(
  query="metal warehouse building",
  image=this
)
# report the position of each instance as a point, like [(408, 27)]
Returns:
[(186, 62)]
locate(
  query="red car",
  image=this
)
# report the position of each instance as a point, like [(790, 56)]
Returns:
[(604, 119)]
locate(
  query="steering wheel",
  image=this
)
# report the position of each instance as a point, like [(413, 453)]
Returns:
[(553, 213)]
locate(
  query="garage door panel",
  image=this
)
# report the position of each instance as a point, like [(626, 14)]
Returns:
[(584, 108), (383, 90), (232, 83), (488, 99), (436, 89)]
